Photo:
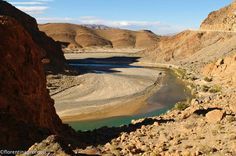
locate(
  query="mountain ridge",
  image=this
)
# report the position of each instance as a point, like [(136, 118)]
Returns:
[(78, 36)]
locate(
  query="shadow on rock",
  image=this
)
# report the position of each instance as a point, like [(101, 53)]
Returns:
[(105, 134)]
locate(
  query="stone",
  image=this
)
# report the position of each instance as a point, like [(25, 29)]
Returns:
[(215, 116), (233, 107)]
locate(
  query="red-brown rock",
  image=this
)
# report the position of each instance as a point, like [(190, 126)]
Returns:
[(27, 113), (49, 48)]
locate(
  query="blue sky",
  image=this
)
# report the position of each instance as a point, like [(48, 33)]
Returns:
[(160, 16)]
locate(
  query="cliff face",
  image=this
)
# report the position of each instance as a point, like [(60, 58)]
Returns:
[(27, 113), (50, 49), (221, 20)]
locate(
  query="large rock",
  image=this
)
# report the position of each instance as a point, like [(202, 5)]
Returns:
[(48, 47), (27, 113), (221, 20), (222, 70), (215, 116), (233, 107)]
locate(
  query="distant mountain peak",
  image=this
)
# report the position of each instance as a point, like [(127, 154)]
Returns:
[(97, 26)]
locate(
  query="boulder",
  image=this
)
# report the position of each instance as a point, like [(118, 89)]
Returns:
[(215, 116), (233, 107)]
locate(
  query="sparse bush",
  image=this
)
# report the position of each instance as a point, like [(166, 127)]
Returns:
[(181, 73), (205, 88), (215, 89), (181, 105), (208, 79)]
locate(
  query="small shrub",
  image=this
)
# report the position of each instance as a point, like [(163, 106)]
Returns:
[(181, 73), (205, 88), (208, 79), (215, 89), (181, 106)]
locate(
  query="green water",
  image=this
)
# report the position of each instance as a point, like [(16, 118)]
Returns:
[(172, 91)]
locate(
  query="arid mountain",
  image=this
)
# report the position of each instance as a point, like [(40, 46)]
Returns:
[(77, 36), (214, 40), (52, 52), (27, 113), (221, 20), (192, 48)]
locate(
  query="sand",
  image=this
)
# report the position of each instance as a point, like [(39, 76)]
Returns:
[(93, 96)]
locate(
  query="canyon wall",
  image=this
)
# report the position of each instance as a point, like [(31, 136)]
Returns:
[(27, 113)]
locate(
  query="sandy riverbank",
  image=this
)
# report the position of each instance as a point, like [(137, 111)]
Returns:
[(94, 96)]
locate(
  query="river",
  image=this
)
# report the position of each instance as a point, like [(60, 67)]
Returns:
[(172, 90)]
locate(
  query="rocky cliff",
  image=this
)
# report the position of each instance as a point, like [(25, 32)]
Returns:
[(27, 113), (51, 51), (221, 20)]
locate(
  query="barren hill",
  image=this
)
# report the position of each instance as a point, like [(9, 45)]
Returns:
[(221, 20), (77, 36)]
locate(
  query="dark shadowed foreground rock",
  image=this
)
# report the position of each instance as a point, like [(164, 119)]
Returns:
[(51, 51), (53, 145), (27, 113)]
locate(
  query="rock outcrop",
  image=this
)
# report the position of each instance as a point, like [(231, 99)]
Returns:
[(78, 36), (51, 51), (221, 20), (27, 113), (223, 70)]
